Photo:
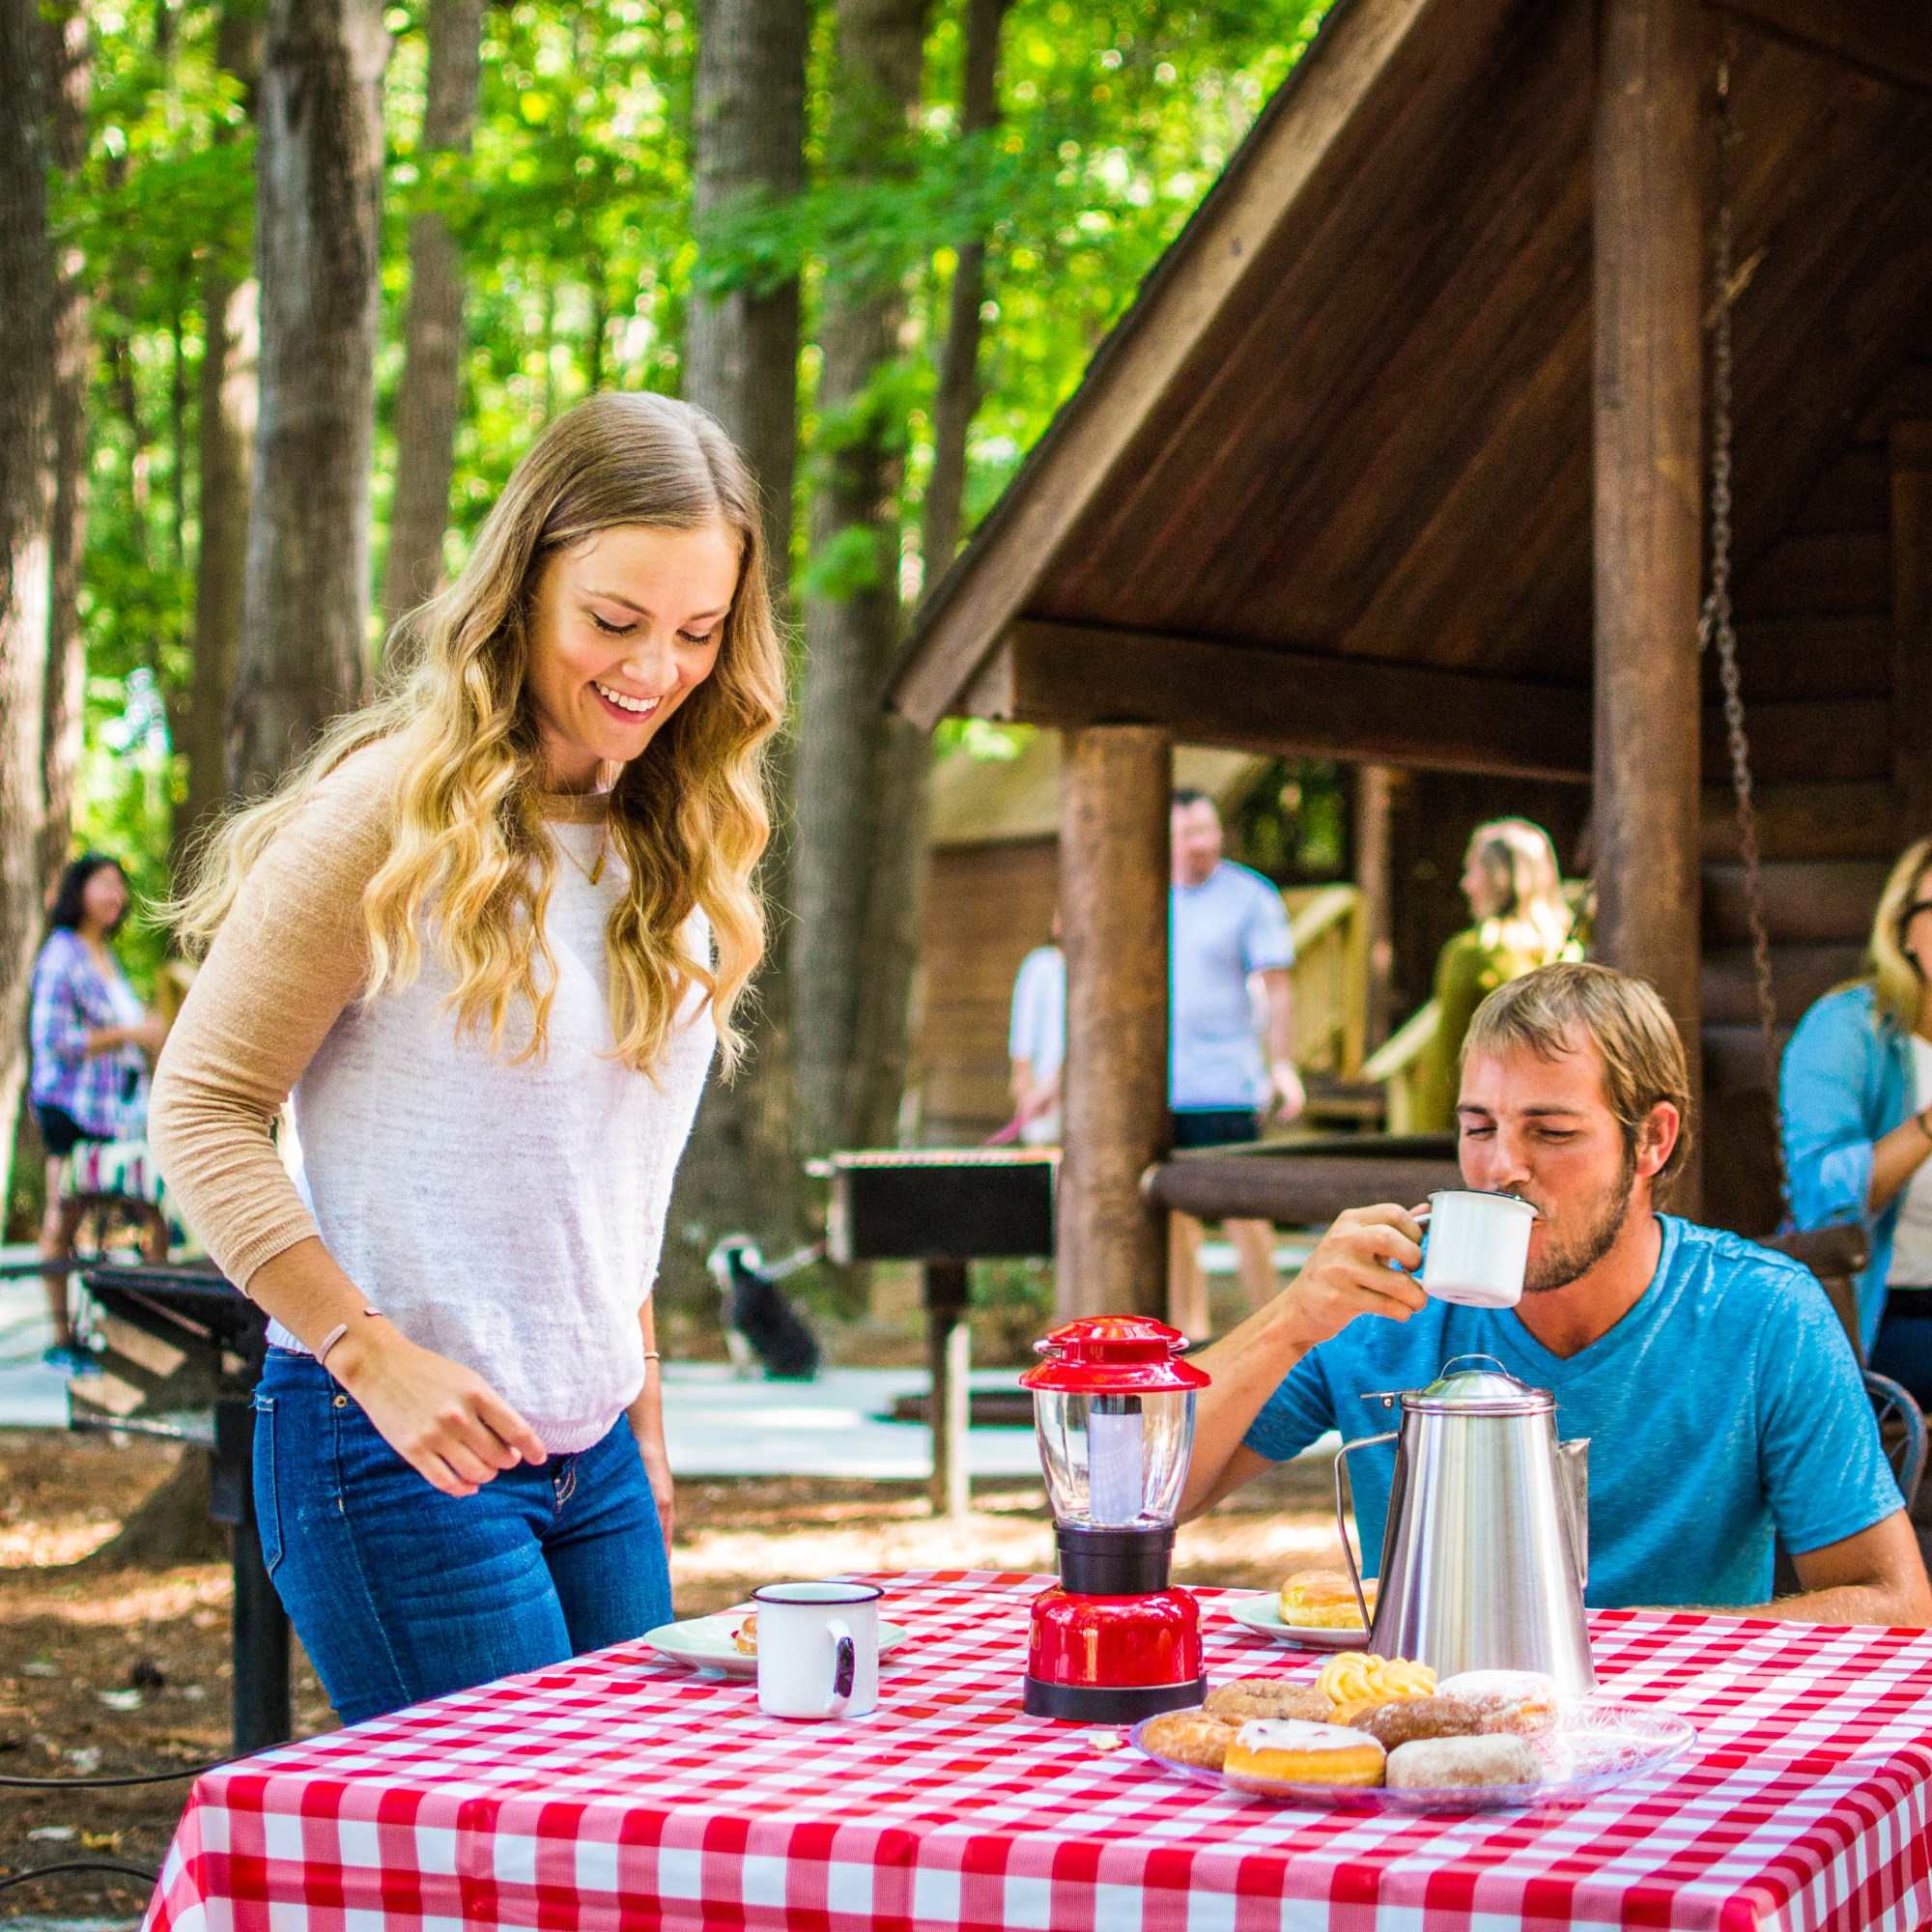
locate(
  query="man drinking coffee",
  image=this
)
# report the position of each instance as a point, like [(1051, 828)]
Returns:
[(1721, 1400)]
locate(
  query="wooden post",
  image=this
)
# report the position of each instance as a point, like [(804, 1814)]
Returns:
[(1650, 164), (1115, 782), (1374, 787), (948, 1359), (1911, 625)]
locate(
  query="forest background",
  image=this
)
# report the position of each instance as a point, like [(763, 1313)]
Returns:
[(288, 287)]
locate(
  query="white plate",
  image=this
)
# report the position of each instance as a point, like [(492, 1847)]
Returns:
[(708, 1643), (1593, 1748), (1263, 1615)]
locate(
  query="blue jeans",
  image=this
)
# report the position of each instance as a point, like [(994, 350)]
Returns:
[(399, 1591)]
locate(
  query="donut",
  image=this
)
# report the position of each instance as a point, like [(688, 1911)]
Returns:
[(1323, 1600), (1510, 1700), (745, 1638), (1455, 1764), (1356, 1682), (1408, 1719), (1289, 1751), (1269, 1698), (1190, 1737)]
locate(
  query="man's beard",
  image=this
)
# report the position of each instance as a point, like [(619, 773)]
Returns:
[(1562, 1263)]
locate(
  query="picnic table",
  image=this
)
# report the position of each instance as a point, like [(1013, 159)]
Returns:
[(620, 1791)]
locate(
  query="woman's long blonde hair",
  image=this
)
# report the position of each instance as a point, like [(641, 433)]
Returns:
[(1898, 985), (1519, 861), (470, 862)]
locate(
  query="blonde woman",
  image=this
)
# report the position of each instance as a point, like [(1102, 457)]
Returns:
[(1521, 920), (1857, 1102), (487, 937)]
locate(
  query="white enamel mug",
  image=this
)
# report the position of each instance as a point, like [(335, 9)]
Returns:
[(1477, 1248), (818, 1649)]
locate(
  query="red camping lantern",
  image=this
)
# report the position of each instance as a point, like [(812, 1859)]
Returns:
[(1114, 1408)]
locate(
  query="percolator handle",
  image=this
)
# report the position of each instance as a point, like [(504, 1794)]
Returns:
[(1472, 1357), (1342, 1520)]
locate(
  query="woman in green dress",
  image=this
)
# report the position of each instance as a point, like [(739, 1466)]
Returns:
[(1521, 920)]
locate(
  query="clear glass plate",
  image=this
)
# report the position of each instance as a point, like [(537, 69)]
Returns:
[(1593, 1748)]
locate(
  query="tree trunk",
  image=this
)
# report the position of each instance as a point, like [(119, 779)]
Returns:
[(431, 395), (740, 1172), (897, 879), (27, 512), (70, 74), (846, 755), (231, 350), (957, 393), (318, 185)]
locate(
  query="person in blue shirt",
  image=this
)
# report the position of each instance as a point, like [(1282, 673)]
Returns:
[(1226, 927), (1856, 1097), (1723, 1402)]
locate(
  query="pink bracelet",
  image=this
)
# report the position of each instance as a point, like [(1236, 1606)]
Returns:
[(336, 1334)]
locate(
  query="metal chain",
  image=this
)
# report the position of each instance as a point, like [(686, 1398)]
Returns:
[(1716, 624)]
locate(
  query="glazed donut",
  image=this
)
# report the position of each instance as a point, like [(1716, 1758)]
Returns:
[(1190, 1737), (1409, 1718), (1454, 1764), (1525, 1702), (1323, 1600), (1289, 1751), (1247, 1697)]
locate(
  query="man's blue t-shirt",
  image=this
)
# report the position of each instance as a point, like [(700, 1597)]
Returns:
[(1724, 1407), (1231, 924)]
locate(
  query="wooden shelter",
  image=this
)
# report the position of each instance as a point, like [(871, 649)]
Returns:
[(1399, 455)]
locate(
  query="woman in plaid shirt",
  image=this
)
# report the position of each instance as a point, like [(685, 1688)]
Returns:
[(90, 1079)]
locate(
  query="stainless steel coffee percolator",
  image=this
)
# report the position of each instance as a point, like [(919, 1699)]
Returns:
[(1487, 1551)]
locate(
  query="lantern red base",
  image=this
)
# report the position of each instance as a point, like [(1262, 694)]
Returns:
[(1114, 1660)]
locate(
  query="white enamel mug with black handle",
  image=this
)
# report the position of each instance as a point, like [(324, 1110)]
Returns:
[(818, 1649)]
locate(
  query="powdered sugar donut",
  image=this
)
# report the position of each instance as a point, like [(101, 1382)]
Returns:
[(1510, 1700), (1458, 1764)]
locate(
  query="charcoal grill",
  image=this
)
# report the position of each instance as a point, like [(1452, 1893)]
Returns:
[(185, 1351), (943, 1208)]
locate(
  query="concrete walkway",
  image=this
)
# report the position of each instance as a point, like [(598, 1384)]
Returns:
[(715, 1425)]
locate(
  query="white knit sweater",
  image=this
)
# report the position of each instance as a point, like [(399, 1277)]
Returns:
[(506, 1214)]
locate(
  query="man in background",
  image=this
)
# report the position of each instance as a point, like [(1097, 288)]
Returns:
[(1225, 927), (1037, 1043)]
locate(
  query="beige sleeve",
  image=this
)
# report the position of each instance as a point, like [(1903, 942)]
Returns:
[(289, 958)]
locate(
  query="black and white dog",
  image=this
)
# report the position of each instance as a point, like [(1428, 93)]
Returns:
[(759, 1322)]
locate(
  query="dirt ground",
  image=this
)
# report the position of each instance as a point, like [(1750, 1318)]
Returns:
[(127, 1671)]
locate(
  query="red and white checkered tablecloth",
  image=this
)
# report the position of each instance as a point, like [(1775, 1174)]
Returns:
[(618, 1791)]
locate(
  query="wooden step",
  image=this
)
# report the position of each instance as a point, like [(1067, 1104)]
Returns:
[(1819, 901), (1807, 820), (1827, 738), (1801, 975)]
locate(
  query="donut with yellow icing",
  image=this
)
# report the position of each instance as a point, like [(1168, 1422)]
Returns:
[(1358, 1681)]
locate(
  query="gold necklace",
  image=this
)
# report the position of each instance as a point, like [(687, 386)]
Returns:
[(591, 874)]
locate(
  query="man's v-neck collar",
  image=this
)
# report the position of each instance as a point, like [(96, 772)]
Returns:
[(1627, 1330)]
